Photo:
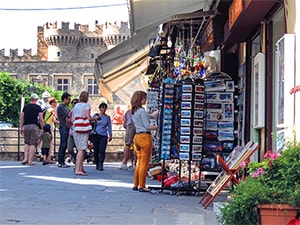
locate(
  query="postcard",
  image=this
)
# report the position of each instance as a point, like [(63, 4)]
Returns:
[(213, 147), (199, 105), (186, 113), (197, 148), (186, 105), (214, 115), (198, 123), (211, 134), (184, 148), (198, 114), (199, 97), (196, 156), (198, 131), (224, 97), (186, 96), (197, 139), (184, 139), (185, 122), (199, 88), (216, 85), (185, 130), (211, 125), (187, 88), (184, 156), (230, 86), (228, 109)]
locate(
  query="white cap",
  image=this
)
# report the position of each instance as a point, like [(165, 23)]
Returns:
[(46, 94), (34, 96)]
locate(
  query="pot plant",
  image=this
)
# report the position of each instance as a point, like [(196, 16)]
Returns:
[(275, 180)]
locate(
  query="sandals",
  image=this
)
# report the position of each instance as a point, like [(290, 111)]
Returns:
[(81, 174)]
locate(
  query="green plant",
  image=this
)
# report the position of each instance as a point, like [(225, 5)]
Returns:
[(11, 92), (274, 180)]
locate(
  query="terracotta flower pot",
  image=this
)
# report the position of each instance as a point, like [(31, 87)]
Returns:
[(276, 214)]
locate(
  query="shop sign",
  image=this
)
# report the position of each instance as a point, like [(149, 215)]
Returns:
[(235, 10), (208, 36)]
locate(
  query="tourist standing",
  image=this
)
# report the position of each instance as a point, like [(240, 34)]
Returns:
[(142, 139), (129, 135), (81, 110), (63, 113), (30, 128)]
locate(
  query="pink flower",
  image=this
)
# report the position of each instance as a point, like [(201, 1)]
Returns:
[(258, 172)]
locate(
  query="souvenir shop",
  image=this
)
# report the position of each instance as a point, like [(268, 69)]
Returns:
[(197, 104)]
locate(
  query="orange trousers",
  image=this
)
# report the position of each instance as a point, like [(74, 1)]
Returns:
[(143, 148)]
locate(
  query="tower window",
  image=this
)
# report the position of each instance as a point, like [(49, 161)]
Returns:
[(92, 56), (58, 54)]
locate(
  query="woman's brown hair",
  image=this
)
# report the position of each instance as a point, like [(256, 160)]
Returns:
[(136, 100), (84, 96)]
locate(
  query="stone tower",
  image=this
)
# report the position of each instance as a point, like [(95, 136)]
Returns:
[(78, 44)]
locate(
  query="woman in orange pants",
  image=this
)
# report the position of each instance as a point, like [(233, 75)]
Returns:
[(142, 139)]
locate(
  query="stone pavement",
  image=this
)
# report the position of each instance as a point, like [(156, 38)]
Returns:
[(51, 195)]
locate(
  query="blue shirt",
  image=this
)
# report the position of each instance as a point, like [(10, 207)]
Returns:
[(103, 127)]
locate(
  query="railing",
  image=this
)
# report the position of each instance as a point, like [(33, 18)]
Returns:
[(12, 142)]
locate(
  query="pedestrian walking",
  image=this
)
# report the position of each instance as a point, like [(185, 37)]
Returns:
[(103, 135)]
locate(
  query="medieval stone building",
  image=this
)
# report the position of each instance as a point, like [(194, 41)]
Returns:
[(66, 56)]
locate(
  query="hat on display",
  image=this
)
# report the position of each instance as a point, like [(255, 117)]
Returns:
[(34, 96)]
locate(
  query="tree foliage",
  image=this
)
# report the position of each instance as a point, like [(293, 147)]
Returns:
[(11, 92)]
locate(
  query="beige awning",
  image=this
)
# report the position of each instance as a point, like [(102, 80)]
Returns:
[(149, 13), (115, 68)]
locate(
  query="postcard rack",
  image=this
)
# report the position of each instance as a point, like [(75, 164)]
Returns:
[(219, 122), (230, 167), (181, 129)]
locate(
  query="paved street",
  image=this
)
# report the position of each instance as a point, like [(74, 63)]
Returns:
[(51, 195)]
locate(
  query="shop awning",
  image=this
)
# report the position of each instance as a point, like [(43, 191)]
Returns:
[(145, 13), (118, 66)]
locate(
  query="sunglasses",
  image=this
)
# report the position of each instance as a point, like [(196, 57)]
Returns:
[(74, 103)]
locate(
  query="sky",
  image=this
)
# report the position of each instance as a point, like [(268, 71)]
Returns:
[(19, 27)]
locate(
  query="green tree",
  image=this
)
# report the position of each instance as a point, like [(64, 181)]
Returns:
[(11, 92)]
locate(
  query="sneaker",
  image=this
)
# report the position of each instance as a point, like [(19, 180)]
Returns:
[(45, 163), (133, 167), (123, 167)]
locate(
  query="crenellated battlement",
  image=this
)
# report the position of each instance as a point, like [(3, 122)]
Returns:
[(14, 55), (61, 42)]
